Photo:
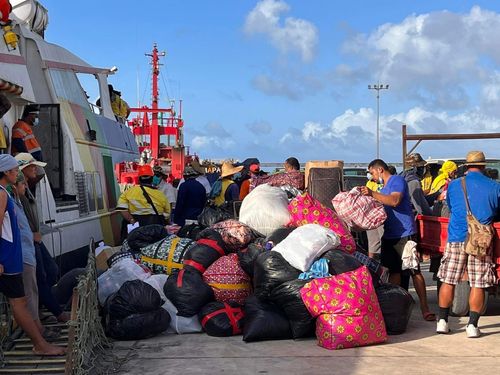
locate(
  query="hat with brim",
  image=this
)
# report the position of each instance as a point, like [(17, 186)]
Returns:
[(415, 160), (475, 158), (195, 164), (228, 169), (25, 159), (190, 172)]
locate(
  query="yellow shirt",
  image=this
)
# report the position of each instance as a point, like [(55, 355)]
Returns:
[(427, 183), (134, 201), (221, 198)]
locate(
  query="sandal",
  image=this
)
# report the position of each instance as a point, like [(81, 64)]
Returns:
[(429, 316)]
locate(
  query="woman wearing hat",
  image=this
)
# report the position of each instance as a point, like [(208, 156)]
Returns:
[(144, 203), (447, 173), (229, 191), (191, 198)]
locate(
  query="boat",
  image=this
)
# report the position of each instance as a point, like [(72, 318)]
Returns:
[(80, 141)]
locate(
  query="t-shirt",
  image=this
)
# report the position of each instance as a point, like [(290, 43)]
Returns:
[(484, 201), (400, 221)]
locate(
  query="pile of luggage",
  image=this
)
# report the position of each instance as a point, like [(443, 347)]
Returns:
[(285, 269)]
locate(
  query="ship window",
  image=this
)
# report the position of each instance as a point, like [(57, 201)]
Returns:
[(67, 87)]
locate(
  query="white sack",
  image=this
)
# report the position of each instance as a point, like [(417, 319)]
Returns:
[(305, 244), (265, 209), (181, 324)]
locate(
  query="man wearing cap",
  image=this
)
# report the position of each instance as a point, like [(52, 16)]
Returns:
[(144, 203), (229, 191), (483, 195), (161, 183), (200, 177), (23, 139), (11, 260), (46, 268), (415, 169), (191, 198)]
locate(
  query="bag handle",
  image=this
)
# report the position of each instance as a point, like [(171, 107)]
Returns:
[(148, 198), (464, 190)]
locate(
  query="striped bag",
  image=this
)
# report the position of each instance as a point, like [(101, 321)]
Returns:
[(166, 255)]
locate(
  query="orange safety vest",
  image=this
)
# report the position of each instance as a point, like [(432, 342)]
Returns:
[(22, 130)]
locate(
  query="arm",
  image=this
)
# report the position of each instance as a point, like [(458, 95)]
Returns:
[(3, 207), (420, 203), (122, 206), (393, 199), (19, 145), (233, 193)]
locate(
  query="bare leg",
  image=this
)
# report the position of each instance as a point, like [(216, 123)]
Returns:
[(446, 293), (476, 299), (420, 288), (25, 320)]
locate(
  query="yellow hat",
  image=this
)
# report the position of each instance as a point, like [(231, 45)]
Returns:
[(448, 167)]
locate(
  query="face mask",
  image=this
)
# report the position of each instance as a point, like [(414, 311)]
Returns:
[(380, 180), (369, 176), (36, 121), (156, 180)]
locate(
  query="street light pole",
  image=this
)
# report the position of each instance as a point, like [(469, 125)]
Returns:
[(378, 87)]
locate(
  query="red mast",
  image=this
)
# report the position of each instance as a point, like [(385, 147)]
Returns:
[(150, 124)]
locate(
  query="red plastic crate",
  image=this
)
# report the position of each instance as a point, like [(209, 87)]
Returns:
[(433, 235)]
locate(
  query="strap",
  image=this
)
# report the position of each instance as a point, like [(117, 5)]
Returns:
[(195, 265), (148, 198), (180, 275), (213, 244), (170, 262), (464, 190), (233, 313)]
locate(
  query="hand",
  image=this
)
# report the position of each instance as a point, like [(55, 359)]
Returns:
[(366, 191), (1, 269), (37, 237)]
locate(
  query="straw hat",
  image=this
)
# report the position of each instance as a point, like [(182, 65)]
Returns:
[(475, 158), (228, 169), (25, 159)]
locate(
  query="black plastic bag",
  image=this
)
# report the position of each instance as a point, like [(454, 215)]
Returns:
[(212, 214), (133, 297), (287, 297), (146, 235), (270, 271), (138, 326), (264, 321), (190, 231), (279, 235), (188, 292), (396, 305), (208, 248), (222, 319), (248, 256), (340, 262)]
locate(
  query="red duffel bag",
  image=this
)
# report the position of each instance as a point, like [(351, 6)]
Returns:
[(358, 211), (228, 280)]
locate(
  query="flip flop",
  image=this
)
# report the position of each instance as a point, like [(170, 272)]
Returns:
[(429, 316)]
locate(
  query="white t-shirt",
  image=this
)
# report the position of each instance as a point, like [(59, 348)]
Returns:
[(169, 191)]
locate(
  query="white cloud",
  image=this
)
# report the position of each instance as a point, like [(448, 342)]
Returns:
[(431, 58), (290, 35)]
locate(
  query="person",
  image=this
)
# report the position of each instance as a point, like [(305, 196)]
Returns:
[(191, 198), (374, 236), (161, 183), (415, 168), (447, 172), (427, 179), (225, 189), (47, 270), (392, 169), (399, 228), (120, 108), (11, 261), (483, 195), (201, 178), (23, 139), (144, 203), (251, 169)]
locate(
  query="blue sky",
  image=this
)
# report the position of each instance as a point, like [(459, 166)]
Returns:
[(276, 78)]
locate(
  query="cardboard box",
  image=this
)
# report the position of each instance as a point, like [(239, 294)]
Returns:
[(104, 255)]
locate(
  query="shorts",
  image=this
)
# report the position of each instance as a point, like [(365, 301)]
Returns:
[(392, 252), (31, 290), (12, 285), (455, 261), (374, 239)]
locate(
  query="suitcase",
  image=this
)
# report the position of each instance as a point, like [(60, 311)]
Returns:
[(322, 164), (324, 183)]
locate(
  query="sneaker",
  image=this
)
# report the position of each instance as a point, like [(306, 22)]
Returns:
[(472, 331), (442, 326)]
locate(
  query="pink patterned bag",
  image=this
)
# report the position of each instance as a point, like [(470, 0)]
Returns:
[(307, 210), (348, 311), (359, 211), (235, 234), (228, 280)]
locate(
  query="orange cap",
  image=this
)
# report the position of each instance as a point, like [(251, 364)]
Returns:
[(145, 170)]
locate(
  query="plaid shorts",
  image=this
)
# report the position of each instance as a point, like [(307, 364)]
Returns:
[(480, 270)]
